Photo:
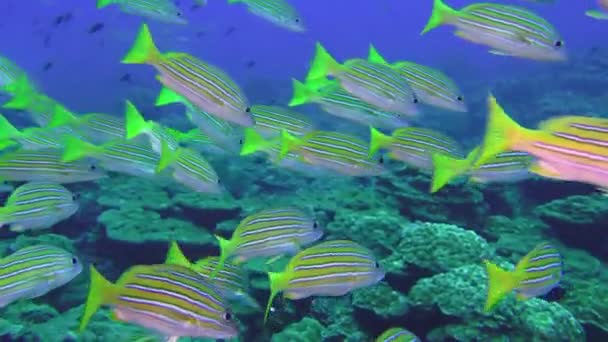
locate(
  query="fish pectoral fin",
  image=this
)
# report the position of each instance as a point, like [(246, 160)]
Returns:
[(500, 53), (273, 259)]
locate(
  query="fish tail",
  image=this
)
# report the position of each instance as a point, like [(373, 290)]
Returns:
[(167, 156), (288, 143), (175, 256), (445, 169), (377, 140), (168, 96), (143, 51), (500, 283), (134, 121), (277, 284), (101, 291), (61, 116), (75, 149), (374, 56), (501, 132), (22, 91), (7, 130), (322, 65), (4, 144), (104, 3), (225, 251), (252, 142), (441, 13), (302, 93)]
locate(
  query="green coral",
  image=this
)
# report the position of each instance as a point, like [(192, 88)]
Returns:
[(140, 226), (439, 247), (575, 211), (306, 330), (382, 300)]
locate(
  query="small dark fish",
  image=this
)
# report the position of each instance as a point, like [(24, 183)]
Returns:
[(250, 64), (47, 66), (229, 31), (96, 27), (47, 40), (126, 78), (64, 18)]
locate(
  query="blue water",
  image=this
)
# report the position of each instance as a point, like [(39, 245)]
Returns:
[(262, 58), (86, 66)]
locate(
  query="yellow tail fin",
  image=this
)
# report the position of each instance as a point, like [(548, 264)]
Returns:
[(445, 169), (322, 65), (377, 140), (134, 121), (143, 51), (101, 292), (288, 143), (500, 283), (302, 94), (441, 13), (501, 133), (278, 282)]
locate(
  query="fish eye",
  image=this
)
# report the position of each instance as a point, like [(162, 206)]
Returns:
[(4, 182), (74, 261), (558, 43), (315, 224), (415, 100), (377, 265), (459, 98), (247, 109), (240, 141), (179, 14), (297, 20), (219, 181), (381, 160), (74, 197), (93, 167), (227, 316)]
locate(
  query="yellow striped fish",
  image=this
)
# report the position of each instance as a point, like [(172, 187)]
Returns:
[(160, 10), (191, 169), (397, 335), (171, 300), (204, 85), (31, 138), (330, 268), (117, 156), (254, 142), (431, 86), (232, 282), (507, 30), (414, 146), (374, 83), (46, 165), (279, 12), (269, 233), (33, 271), (95, 127), (338, 152), (537, 273), (37, 205), (271, 120), (330, 96)]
